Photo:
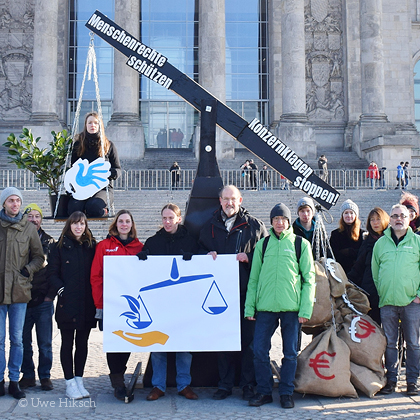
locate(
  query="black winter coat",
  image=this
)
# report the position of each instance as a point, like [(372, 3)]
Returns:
[(69, 267), (164, 243), (41, 287), (91, 153), (361, 273), (345, 249), (244, 235)]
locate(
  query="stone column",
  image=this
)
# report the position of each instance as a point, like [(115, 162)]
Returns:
[(212, 63), (275, 61), (374, 136), (372, 61), (293, 127), (124, 127), (293, 61), (44, 116)]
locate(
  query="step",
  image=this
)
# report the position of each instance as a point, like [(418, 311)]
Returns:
[(146, 206)]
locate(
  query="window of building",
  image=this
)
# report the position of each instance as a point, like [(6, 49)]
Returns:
[(247, 58), (171, 27)]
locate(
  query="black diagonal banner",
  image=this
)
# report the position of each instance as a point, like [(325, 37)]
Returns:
[(254, 136)]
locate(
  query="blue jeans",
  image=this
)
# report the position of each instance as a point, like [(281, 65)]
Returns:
[(41, 317), (16, 312), (410, 322), (183, 365), (265, 327)]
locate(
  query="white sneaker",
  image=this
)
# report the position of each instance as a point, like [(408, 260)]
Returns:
[(72, 390), (82, 389)]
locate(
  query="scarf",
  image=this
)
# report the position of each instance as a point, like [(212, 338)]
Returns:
[(92, 139), (6, 218)]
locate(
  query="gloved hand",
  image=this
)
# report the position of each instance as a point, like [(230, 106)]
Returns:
[(99, 313), (186, 256), (24, 272), (113, 175), (142, 255)]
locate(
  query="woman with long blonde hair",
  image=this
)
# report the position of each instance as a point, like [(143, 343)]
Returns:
[(90, 144)]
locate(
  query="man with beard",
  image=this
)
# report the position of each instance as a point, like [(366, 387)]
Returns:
[(20, 257), (232, 230)]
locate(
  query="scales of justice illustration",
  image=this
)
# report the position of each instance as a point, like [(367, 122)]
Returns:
[(139, 317)]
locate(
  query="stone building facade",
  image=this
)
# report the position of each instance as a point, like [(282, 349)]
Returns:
[(340, 73)]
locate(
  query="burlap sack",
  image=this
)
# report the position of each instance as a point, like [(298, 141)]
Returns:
[(323, 367), (322, 305), (366, 341), (335, 274), (366, 380), (359, 299)]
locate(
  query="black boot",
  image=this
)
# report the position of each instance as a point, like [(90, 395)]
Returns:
[(117, 382), (2, 392), (15, 391)]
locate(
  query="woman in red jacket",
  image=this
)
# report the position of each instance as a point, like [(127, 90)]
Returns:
[(122, 240)]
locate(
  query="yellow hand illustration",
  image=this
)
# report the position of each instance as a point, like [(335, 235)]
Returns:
[(145, 339)]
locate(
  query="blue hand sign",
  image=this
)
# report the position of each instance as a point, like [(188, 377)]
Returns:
[(84, 179)]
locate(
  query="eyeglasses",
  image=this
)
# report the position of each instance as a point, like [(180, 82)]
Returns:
[(227, 200), (399, 216), (281, 219)]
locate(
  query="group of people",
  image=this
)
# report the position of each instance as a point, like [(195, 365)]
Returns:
[(403, 175), (276, 282), (249, 171)]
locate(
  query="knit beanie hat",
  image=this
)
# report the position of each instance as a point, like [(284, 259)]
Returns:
[(410, 201), (305, 202), (281, 210), (350, 205), (31, 207), (7, 192)]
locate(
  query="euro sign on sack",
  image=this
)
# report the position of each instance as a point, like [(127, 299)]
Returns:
[(83, 180), (366, 341), (323, 367)]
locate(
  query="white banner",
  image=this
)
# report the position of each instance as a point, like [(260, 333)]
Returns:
[(168, 304)]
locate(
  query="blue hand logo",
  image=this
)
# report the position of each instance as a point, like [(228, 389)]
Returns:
[(90, 177), (84, 179)]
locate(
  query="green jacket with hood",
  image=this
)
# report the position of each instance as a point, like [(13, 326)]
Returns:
[(280, 283), (396, 269)]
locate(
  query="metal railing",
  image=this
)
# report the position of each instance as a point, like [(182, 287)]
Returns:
[(162, 179)]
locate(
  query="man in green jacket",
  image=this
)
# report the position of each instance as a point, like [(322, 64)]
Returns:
[(21, 255), (280, 287), (396, 274)]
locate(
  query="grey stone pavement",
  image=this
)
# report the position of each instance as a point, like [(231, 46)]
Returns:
[(102, 404)]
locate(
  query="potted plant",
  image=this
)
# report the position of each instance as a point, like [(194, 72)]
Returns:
[(48, 165)]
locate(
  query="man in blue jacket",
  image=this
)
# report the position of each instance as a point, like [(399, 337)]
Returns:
[(396, 274), (281, 287)]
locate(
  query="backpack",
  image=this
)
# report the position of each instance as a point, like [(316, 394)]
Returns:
[(298, 248)]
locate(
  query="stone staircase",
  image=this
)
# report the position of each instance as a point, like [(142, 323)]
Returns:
[(146, 206), (163, 159)]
